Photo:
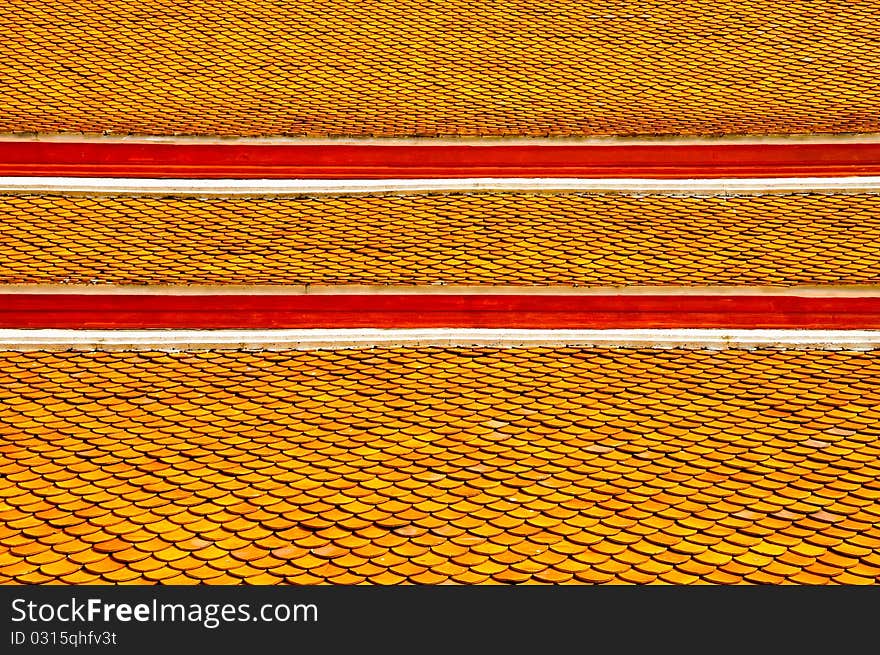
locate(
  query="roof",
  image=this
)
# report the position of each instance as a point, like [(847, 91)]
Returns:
[(457, 68), (498, 238), (440, 465)]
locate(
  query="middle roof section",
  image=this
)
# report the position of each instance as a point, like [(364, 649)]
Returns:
[(451, 238)]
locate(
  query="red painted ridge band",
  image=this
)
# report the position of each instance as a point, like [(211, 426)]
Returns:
[(71, 311), (272, 161)]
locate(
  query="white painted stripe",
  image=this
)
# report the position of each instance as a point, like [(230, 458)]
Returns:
[(781, 139), (99, 289), (176, 340), (229, 187)]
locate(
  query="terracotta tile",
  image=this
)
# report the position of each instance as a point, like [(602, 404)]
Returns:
[(592, 576), (509, 576)]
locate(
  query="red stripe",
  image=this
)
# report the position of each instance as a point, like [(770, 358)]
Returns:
[(411, 311), (163, 160)]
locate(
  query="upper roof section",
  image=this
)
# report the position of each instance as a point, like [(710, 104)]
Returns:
[(363, 68)]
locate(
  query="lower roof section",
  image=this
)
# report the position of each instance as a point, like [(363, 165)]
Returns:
[(526, 238), (440, 465)]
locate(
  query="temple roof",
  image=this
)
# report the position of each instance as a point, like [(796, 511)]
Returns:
[(492, 238), (452, 68), (430, 465)]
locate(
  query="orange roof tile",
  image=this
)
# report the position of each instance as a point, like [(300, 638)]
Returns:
[(566, 465), (457, 67), (451, 238)]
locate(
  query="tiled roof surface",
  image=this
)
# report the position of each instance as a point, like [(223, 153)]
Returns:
[(457, 67), (440, 465), (452, 238)]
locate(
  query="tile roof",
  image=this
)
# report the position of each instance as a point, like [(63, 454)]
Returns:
[(440, 465), (457, 67), (453, 238)]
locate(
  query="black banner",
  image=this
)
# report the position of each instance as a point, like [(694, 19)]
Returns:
[(407, 619)]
